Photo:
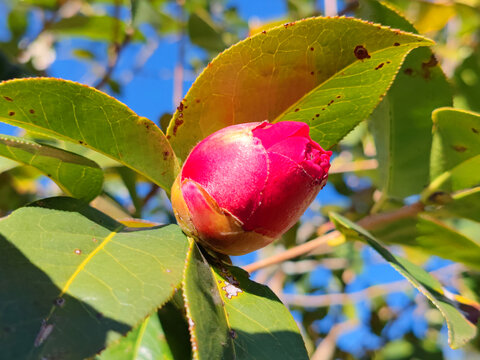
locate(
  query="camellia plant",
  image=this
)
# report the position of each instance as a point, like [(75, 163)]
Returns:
[(244, 155)]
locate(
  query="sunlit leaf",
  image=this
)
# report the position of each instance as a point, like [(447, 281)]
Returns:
[(327, 72), (74, 112), (76, 175), (146, 342), (402, 123), (7, 164), (78, 279), (232, 317), (455, 149), (460, 330), (431, 16)]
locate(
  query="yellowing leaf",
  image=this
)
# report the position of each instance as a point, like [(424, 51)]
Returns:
[(327, 72)]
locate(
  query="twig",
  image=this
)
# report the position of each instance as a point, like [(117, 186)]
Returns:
[(153, 191), (353, 166), (46, 24), (326, 349), (115, 48), (351, 6), (368, 293), (321, 243), (343, 298), (178, 71)]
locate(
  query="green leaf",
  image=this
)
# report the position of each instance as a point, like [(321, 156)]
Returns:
[(204, 33), (103, 28), (74, 174), (438, 239), (146, 342), (174, 322), (78, 280), (467, 80), (455, 150), (402, 123), (17, 21), (7, 164), (305, 71), (232, 317), (465, 204), (460, 330), (129, 179), (74, 112)]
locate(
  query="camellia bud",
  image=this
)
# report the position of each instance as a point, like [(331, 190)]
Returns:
[(245, 185)]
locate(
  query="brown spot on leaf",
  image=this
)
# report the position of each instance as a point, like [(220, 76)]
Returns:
[(311, 49), (11, 113), (408, 71), (180, 107), (31, 111), (78, 251), (426, 65), (165, 155), (388, 62), (81, 142), (475, 130), (8, 98), (396, 44), (264, 32), (361, 53), (331, 102), (297, 109), (339, 96), (323, 109), (289, 24), (312, 73), (197, 100), (178, 122), (459, 148), (168, 137), (379, 66), (317, 115)]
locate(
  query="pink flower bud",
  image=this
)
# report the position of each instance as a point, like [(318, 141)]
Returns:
[(245, 185)]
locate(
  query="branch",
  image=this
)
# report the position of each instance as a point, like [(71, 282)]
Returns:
[(320, 244), (153, 191), (178, 71), (360, 165), (368, 293), (343, 298), (315, 244), (115, 48), (326, 349)]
